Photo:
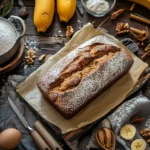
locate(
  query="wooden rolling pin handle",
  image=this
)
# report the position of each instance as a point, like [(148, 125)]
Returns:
[(39, 140), (46, 136)]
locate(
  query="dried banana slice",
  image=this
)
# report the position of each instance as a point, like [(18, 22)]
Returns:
[(138, 144), (128, 132)]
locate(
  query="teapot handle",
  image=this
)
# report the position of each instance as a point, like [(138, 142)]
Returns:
[(19, 25)]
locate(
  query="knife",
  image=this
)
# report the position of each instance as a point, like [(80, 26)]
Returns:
[(34, 134), (50, 141)]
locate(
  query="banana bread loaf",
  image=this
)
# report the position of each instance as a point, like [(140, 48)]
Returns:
[(76, 79)]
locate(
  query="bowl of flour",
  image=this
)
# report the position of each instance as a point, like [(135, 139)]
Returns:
[(98, 8), (9, 39)]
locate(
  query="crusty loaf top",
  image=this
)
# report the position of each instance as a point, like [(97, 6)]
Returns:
[(95, 65)]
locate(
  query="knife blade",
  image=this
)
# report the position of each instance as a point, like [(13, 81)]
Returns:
[(34, 134), (80, 8)]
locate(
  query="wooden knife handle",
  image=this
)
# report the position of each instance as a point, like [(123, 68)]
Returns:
[(39, 141), (46, 136)]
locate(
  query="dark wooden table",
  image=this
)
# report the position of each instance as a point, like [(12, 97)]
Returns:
[(56, 27)]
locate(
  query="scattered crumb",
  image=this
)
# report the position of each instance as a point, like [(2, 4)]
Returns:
[(132, 7), (27, 47), (42, 57)]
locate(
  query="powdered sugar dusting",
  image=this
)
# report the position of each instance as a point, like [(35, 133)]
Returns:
[(72, 100), (92, 84)]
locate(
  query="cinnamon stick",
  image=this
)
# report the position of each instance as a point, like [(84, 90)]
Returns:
[(147, 48), (132, 7), (103, 21), (145, 54), (140, 18), (137, 31)]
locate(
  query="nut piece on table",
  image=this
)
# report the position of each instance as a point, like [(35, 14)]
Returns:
[(105, 139), (42, 57), (137, 120), (29, 60), (122, 28), (117, 13), (31, 53), (30, 57), (145, 133), (69, 31)]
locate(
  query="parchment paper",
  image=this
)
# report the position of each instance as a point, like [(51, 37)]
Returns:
[(100, 106)]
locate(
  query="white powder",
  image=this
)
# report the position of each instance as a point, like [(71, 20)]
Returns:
[(7, 37), (97, 5)]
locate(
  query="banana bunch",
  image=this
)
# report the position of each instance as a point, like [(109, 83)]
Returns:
[(145, 3)]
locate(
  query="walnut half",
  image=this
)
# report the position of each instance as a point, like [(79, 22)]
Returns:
[(69, 31), (122, 28)]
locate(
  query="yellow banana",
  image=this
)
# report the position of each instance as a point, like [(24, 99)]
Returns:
[(145, 3), (43, 14), (66, 9)]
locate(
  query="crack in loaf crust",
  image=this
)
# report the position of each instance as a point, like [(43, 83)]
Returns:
[(83, 74)]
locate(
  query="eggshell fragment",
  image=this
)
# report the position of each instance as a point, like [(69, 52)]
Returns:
[(9, 138)]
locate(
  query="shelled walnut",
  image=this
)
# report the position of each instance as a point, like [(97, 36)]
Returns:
[(122, 28), (69, 31), (145, 133), (30, 57)]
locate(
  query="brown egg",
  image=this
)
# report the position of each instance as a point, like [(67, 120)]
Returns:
[(9, 138)]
